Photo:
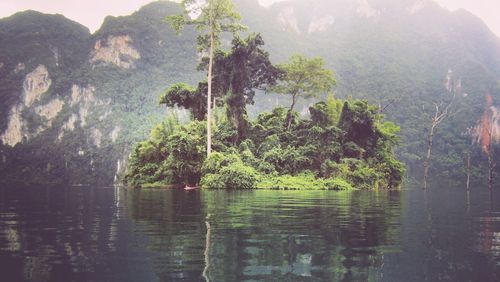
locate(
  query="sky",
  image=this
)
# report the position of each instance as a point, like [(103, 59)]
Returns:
[(91, 13)]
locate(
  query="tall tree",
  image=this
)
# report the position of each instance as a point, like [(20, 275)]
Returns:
[(239, 73), (442, 112), (211, 18), (303, 77)]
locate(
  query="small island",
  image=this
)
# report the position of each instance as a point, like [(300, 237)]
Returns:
[(342, 145), (339, 145), (334, 149)]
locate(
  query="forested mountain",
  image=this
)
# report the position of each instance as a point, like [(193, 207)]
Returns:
[(405, 55), (73, 103)]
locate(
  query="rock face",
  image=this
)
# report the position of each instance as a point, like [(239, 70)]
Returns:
[(84, 100), (355, 37), (321, 24), (82, 94), (50, 110), (96, 137), (492, 116), (15, 128), (69, 125), (116, 50), (288, 20), (35, 84), (115, 133)]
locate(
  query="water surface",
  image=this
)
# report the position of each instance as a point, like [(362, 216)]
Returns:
[(115, 234)]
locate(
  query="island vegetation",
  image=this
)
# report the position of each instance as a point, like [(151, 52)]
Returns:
[(340, 145)]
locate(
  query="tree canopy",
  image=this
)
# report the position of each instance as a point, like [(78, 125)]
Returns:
[(303, 77), (238, 73), (211, 18)]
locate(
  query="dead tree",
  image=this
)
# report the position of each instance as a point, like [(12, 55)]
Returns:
[(468, 171), (491, 167), (382, 109), (441, 113)]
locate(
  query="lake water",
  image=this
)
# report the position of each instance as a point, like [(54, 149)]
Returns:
[(115, 234)]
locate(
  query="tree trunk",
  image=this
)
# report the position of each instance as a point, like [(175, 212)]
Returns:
[(468, 171), (491, 166), (205, 273), (289, 116), (428, 157), (209, 94)]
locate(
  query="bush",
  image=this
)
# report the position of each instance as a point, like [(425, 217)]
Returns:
[(338, 184), (313, 154), (234, 176), (212, 181), (239, 176), (303, 181), (364, 177), (217, 161)]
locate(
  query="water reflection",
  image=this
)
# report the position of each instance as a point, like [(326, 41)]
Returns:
[(260, 235), (48, 232), (487, 229), (114, 234)]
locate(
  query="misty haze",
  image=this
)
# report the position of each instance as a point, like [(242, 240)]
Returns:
[(327, 140)]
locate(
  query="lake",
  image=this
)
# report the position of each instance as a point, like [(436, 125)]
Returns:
[(117, 234)]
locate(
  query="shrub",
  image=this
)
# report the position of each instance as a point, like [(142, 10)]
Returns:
[(217, 161), (239, 176), (303, 181), (234, 176), (212, 181), (338, 184)]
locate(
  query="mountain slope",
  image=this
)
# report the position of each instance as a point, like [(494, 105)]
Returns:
[(73, 103), (72, 115), (398, 54)]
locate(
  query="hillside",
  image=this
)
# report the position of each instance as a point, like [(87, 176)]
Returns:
[(73, 103), (402, 55)]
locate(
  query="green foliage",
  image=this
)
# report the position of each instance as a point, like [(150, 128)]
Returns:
[(186, 152), (338, 184), (303, 181), (333, 108), (238, 73), (216, 161), (238, 176), (227, 172), (183, 95), (279, 142), (212, 181), (215, 17), (303, 77), (176, 158), (313, 154), (404, 84), (288, 160)]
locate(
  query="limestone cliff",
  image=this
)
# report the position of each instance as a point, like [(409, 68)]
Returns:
[(116, 50), (35, 84)]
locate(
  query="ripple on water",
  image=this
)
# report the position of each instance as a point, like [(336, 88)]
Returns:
[(75, 233)]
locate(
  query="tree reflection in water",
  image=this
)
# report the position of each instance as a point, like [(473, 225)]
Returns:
[(106, 234), (259, 235)]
